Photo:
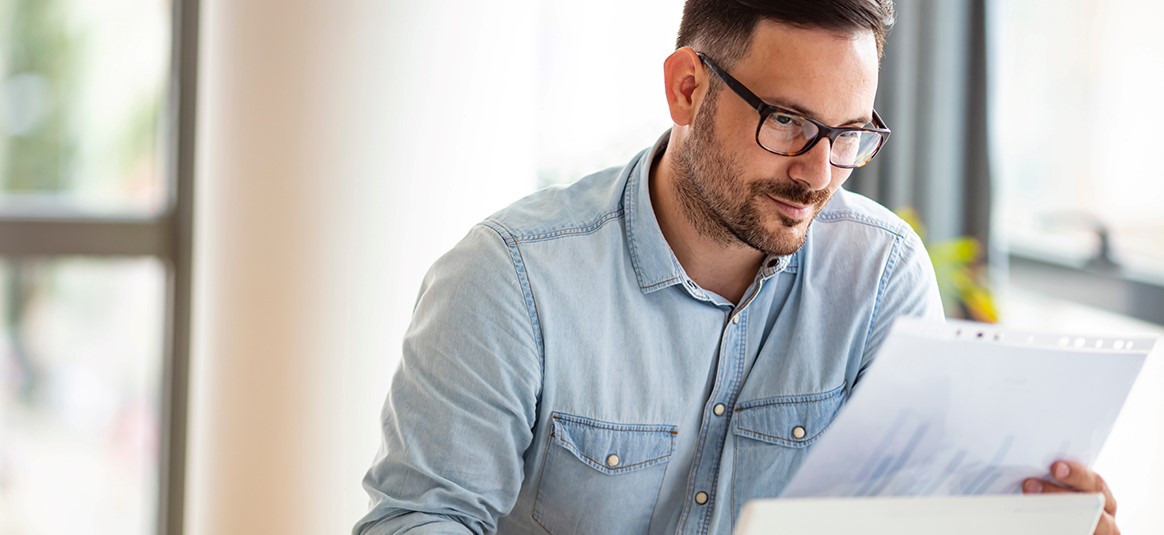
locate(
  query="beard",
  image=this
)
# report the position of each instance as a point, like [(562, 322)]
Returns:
[(720, 205)]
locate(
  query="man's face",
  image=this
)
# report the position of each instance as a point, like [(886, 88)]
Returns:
[(733, 190)]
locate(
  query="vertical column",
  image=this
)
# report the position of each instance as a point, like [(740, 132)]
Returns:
[(343, 145)]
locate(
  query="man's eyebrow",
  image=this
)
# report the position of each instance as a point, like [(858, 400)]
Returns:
[(788, 105)]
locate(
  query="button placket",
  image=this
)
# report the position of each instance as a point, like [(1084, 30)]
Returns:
[(705, 474)]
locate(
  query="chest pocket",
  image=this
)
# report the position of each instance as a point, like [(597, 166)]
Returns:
[(601, 477), (772, 437)]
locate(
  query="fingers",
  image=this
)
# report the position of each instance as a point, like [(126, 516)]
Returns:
[(1107, 525), (1075, 476), (1038, 486), (1070, 476)]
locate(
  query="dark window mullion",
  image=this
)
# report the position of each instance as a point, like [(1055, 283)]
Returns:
[(179, 237), (51, 236)]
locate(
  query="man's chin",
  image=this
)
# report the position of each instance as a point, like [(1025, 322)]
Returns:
[(789, 223), (785, 237)]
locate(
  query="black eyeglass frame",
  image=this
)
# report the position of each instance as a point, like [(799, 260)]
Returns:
[(823, 130)]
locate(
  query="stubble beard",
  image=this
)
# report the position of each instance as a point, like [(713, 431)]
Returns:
[(722, 207)]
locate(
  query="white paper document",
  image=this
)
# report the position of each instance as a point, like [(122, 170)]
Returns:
[(960, 408)]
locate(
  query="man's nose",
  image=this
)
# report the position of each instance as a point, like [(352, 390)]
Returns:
[(812, 169)]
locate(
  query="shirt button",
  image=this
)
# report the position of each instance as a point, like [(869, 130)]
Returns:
[(773, 263), (736, 319), (719, 409), (798, 432), (612, 460), (700, 498)]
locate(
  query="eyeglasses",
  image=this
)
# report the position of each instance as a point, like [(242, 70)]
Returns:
[(790, 134)]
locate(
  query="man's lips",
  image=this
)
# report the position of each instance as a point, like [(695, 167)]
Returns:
[(792, 210)]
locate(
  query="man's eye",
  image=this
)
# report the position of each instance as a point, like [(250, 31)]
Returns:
[(780, 119)]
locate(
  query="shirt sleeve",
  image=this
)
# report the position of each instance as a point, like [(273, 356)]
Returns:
[(461, 405), (908, 287)]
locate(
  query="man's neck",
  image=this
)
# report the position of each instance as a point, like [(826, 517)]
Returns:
[(726, 269)]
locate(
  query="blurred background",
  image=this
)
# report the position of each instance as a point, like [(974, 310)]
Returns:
[(215, 215)]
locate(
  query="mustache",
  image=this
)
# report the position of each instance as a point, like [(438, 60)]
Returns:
[(791, 191)]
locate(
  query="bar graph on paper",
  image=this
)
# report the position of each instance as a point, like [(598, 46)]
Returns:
[(965, 409)]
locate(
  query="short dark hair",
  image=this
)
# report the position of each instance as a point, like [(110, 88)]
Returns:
[(723, 28)]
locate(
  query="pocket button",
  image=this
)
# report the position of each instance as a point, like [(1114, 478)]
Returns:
[(612, 460), (798, 432)]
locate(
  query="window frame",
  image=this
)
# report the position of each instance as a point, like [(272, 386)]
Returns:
[(166, 236), (1093, 278), (1115, 289)]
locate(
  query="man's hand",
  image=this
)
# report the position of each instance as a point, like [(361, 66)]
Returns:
[(1070, 476)]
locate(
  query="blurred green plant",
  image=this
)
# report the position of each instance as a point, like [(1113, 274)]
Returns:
[(960, 272), (40, 58)]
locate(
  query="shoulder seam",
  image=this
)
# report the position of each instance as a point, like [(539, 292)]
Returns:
[(890, 265), (523, 281), (855, 217), (591, 228)]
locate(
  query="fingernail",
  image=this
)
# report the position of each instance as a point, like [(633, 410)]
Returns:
[(1062, 471), (1033, 486)]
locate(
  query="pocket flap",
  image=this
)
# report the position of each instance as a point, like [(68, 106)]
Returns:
[(792, 421), (614, 448)]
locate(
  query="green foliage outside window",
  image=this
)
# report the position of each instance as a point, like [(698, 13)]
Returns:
[(40, 71), (961, 274)]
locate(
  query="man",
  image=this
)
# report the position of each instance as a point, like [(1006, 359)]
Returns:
[(648, 349)]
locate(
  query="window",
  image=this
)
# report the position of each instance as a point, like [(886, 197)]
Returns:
[(94, 263), (84, 84), (1075, 94), (81, 396), (1075, 91)]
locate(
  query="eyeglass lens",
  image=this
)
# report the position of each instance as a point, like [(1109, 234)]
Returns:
[(791, 134)]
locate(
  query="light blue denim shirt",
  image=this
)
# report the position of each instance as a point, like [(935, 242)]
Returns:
[(563, 374)]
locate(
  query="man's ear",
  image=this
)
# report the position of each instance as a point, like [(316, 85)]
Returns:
[(686, 82)]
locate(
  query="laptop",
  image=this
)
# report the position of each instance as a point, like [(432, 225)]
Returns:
[(1061, 514)]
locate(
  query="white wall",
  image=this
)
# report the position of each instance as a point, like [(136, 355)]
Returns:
[(343, 145), (600, 82)]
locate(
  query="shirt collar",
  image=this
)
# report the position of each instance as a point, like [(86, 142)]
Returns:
[(655, 264)]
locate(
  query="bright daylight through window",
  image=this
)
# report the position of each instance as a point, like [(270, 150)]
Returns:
[(83, 99), (1076, 94)]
